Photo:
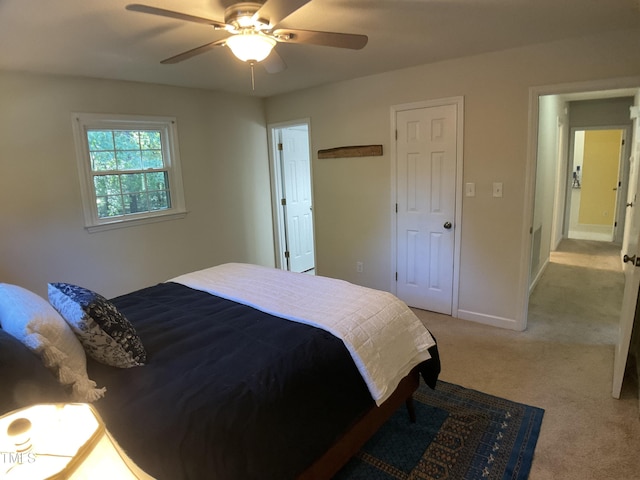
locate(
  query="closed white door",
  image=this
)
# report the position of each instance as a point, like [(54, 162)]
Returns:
[(426, 160), (297, 201)]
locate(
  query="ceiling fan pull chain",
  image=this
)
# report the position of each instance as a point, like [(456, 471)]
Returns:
[(253, 81)]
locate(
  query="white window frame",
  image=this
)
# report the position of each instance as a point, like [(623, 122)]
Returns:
[(82, 122)]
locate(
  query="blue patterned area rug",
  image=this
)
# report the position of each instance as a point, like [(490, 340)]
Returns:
[(460, 434)]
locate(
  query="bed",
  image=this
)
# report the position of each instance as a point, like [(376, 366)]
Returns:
[(245, 379)]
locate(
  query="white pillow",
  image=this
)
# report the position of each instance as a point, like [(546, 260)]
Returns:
[(29, 318)]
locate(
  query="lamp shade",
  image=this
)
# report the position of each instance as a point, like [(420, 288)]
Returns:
[(61, 441), (251, 46)]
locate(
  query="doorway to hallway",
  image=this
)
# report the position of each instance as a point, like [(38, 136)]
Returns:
[(554, 108), (292, 196)]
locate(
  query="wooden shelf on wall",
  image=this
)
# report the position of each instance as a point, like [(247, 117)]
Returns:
[(355, 151)]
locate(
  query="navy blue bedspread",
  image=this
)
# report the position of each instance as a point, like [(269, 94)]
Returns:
[(228, 392)]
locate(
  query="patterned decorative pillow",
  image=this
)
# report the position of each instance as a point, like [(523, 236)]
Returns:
[(30, 319), (105, 333)]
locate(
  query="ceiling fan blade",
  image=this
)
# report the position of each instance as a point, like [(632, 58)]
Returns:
[(274, 63), (328, 39), (277, 10), (193, 52), (136, 7)]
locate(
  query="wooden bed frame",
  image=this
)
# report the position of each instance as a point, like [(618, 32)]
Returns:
[(350, 443)]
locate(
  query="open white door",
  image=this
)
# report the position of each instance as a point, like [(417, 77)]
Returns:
[(296, 172), (631, 251), (291, 195)]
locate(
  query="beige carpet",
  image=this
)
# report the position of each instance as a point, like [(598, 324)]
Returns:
[(562, 363)]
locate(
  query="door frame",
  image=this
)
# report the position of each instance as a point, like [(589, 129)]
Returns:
[(530, 171), (275, 174), (459, 103), (621, 201)]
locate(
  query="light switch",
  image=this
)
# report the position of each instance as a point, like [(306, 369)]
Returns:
[(497, 189), (470, 189)]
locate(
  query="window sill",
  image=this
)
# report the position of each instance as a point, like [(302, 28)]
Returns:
[(132, 222)]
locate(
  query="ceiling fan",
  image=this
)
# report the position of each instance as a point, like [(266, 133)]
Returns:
[(252, 33)]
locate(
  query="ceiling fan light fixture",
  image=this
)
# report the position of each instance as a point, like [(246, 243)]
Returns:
[(251, 46)]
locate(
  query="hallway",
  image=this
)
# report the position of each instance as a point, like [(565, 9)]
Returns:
[(579, 295)]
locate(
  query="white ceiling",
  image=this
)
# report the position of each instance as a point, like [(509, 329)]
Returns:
[(99, 38)]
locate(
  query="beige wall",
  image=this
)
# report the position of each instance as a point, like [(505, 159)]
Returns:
[(225, 169), (223, 149), (352, 196), (605, 112), (549, 167)]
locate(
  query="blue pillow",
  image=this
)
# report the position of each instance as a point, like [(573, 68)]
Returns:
[(105, 333)]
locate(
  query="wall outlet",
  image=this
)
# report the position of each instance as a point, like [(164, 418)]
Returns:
[(359, 267), (497, 189)]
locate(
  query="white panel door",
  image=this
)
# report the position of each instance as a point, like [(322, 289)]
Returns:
[(631, 249), (296, 172), (426, 181)]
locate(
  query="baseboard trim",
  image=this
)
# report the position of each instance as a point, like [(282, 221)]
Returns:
[(538, 276), (600, 235), (492, 320)]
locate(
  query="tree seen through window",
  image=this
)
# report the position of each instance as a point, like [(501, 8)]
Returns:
[(129, 172)]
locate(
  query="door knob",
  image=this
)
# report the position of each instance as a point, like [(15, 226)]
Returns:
[(447, 225), (628, 258)]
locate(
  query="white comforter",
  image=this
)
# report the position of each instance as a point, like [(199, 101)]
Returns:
[(385, 338)]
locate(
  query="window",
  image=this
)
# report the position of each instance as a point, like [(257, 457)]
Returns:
[(129, 169)]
